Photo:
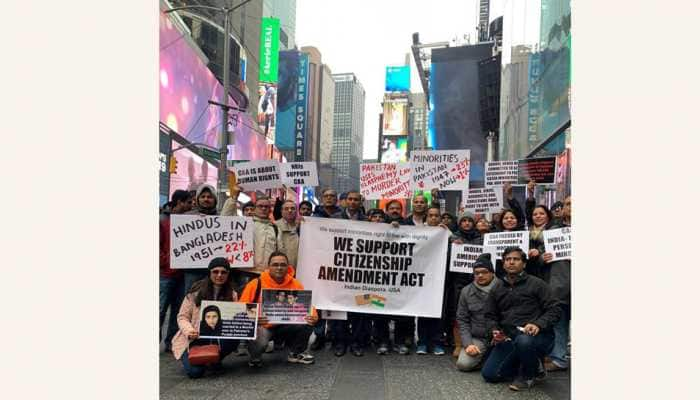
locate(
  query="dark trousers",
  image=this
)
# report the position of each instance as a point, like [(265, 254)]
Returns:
[(430, 332), (296, 338), (226, 346), (521, 355), (354, 331), (381, 328), (171, 292), (404, 330)]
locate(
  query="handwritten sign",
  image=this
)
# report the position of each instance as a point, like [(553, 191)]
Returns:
[(299, 173), (463, 256), (197, 239), (440, 169), (483, 200), (558, 242), (385, 181), (501, 172), (254, 175)]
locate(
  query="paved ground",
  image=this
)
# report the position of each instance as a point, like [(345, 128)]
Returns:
[(393, 376)]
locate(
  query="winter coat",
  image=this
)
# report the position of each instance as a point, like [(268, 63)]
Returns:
[(188, 321), (470, 312), (265, 244), (360, 215), (528, 300), (207, 211), (288, 240), (558, 275), (250, 290), (409, 220), (321, 212), (230, 208), (164, 248)]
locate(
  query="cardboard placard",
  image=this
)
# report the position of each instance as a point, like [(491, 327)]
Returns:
[(385, 181), (483, 200), (440, 169), (558, 242), (499, 173), (299, 173), (258, 175), (463, 256)]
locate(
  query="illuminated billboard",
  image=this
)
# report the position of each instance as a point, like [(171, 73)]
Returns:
[(398, 79), (393, 150), (269, 49), (192, 170), (267, 106), (395, 120)]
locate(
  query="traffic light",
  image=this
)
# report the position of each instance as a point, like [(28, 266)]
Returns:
[(173, 165)]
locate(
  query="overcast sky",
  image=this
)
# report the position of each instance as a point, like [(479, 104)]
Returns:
[(364, 36)]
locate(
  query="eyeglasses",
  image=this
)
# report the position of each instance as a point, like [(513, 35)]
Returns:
[(219, 272), (278, 265)]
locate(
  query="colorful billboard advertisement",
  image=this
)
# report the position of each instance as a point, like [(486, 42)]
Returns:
[(398, 79), (395, 119), (393, 150), (269, 49), (302, 104), (267, 106), (192, 170), (287, 99)]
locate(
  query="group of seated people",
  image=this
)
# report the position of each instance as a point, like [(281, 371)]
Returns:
[(510, 317)]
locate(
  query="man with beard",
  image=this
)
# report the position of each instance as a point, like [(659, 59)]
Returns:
[(205, 204)]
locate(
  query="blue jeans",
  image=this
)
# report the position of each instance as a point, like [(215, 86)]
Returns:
[(429, 332), (171, 292), (521, 354), (227, 346), (561, 338)]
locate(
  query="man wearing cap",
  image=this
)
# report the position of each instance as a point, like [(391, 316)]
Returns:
[(470, 314), (520, 315)]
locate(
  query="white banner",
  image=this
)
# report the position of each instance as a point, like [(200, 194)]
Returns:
[(197, 239), (499, 173), (483, 200), (258, 175), (462, 257), (495, 243), (441, 169), (385, 181), (373, 268), (558, 242), (299, 173)]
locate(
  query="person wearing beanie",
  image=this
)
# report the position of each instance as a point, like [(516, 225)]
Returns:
[(215, 287), (470, 314), (205, 203), (520, 316)]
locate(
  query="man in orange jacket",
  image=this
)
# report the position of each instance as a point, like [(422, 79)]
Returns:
[(278, 275)]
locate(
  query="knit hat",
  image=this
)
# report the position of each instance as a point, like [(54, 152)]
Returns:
[(466, 214), (483, 261), (219, 262)]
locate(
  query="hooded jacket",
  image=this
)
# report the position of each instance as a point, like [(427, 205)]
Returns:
[(470, 312), (267, 282), (198, 209), (528, 300)]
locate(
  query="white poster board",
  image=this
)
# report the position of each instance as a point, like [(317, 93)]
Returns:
[(499, 173), (558, 242), (197, 239), (373, 268), (463, 256), (495, 243), (483, 200), (258, 175), (299, 173), (385, 181), (440, 169)]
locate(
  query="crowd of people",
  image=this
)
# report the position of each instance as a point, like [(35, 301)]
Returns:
[(509, 318)]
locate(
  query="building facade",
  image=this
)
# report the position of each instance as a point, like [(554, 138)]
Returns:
[(418, 121), (348, 131)]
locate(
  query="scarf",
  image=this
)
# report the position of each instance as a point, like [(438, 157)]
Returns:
[(487, 288)]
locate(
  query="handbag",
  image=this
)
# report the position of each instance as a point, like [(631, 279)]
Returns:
[(204, 354)]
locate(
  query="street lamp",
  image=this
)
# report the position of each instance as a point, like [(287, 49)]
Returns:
[(224, 109)]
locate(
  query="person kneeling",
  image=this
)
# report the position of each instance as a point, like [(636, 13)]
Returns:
[(278, 275), (470, 314), (217, 286)]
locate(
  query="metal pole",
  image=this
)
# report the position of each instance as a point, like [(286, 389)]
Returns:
[(491, 146), (223, 170)]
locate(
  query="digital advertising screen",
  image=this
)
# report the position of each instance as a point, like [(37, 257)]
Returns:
[(192, 170), (393, 150), (398, 79), (395, 120)]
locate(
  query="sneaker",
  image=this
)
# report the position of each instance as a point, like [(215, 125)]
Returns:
[(422, 349), (300, 358), (340, 350), (404, 350), (438, 350), (520, 384), (383, 349), (255, 363), (357, 351), (552, 366), (270, 347)]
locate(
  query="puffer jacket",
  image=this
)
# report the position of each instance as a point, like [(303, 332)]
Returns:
[(528, 300), (470, 313)]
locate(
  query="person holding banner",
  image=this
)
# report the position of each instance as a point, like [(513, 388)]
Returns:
[(560, 282), (431, 330), (470, 314), (519, 318), (278, 275), (206, 198), (217, 286)]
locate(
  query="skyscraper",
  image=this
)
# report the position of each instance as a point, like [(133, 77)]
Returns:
[(348, 131)]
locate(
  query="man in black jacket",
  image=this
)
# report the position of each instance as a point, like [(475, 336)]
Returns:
[(519, 318)]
